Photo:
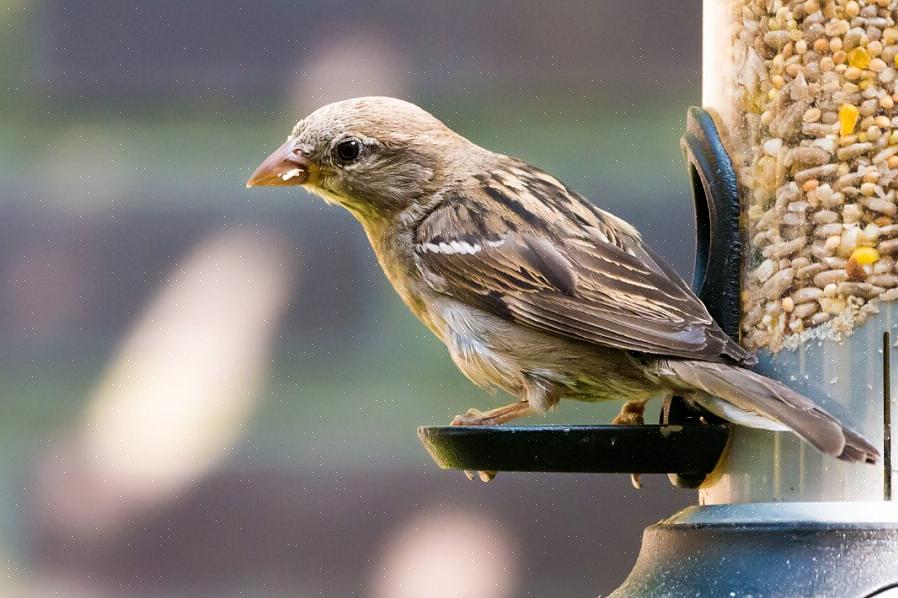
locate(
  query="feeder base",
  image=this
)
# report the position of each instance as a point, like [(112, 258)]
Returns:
[(769, 549)]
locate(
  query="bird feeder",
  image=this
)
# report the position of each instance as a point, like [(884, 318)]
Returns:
[(799, 102), (794, 168)]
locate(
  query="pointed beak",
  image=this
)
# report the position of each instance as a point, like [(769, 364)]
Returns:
[(287, 165)]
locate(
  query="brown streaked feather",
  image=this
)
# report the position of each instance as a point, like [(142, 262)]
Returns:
[(534, 252)]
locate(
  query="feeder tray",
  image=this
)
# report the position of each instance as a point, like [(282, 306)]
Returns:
[(690, 450), (689, 441)]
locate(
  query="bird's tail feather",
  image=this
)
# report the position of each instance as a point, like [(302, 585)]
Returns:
[(758, 395)]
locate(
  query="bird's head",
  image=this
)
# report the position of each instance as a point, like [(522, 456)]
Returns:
[(373, 155)]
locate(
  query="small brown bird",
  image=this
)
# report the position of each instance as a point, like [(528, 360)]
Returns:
[(533, 290)]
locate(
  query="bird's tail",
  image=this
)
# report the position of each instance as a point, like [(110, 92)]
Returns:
[(747, 395)]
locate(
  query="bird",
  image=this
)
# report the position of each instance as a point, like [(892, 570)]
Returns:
[(533, 289)]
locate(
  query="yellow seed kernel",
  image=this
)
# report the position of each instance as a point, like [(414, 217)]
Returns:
[(848, 116), (859, 57), (893, 138), (865, 255)]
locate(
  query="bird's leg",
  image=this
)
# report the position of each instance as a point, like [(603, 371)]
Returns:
[(493, 417), (631, 414)]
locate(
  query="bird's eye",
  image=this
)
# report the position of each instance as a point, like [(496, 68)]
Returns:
[(348, 150)]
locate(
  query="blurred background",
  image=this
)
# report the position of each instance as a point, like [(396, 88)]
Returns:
[(209, 391)]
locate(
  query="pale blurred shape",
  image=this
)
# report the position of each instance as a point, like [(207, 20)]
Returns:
[(178, 391), (360, 62), (458, 554)]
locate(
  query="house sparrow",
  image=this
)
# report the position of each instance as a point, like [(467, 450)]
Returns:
[(533, 290)]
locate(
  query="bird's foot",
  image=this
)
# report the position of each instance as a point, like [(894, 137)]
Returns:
[(493, 417), (474, 417), (631, 414)]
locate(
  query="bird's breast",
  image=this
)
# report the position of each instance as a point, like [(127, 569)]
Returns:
[(396, 258)]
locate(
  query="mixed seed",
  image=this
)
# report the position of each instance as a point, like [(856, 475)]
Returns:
[(813, 132)]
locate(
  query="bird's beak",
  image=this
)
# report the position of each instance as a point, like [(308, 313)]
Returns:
[(287, 165)]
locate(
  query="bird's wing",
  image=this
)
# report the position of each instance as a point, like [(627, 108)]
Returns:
[(532, 251)]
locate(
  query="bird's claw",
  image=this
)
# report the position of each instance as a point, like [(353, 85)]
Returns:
[(485, 476)]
